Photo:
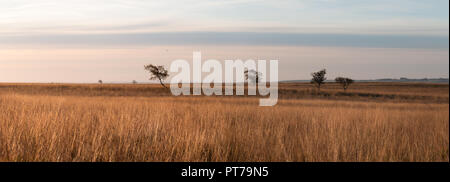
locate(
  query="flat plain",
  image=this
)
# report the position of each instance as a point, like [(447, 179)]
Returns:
[(144, 122)]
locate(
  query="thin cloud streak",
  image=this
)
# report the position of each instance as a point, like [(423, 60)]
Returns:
[(232, 38)]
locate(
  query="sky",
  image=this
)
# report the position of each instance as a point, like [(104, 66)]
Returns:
[(84, 41)]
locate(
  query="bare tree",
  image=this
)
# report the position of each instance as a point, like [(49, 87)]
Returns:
[(157, 73), (345, 82), (100, 81), (253, 75), (319, 78), (134, 82)]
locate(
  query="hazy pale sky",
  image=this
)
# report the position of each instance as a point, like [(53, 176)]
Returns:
[(85, 40)]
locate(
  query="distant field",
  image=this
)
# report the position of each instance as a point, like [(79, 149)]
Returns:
[(125, 122), (395, 92)]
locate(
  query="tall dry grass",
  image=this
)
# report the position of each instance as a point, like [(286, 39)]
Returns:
[(40, 127)]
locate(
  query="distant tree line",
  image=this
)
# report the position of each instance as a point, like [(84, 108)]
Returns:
[(318, 79)]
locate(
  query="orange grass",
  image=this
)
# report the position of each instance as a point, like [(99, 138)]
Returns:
[(54, 127)]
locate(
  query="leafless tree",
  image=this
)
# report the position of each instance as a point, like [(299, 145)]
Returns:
[(319, 78), (345, 82), (253, 75), (134, 82), (100, 81), (157, 73)]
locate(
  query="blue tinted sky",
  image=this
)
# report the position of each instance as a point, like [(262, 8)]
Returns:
[(306, 16), (413, 35)]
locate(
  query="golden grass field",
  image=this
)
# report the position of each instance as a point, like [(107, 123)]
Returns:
[(124, 122)]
